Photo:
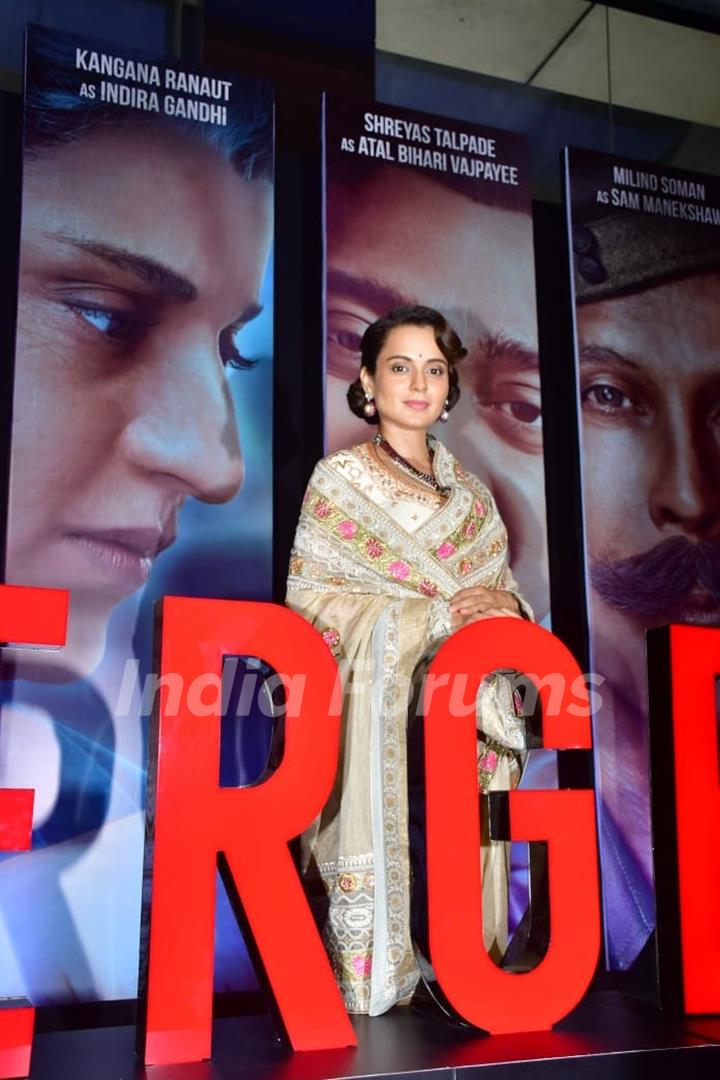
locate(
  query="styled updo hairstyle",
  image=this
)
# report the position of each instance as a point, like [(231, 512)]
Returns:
[(376, 335)]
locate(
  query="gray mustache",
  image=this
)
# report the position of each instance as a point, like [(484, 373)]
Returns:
[(661, 579)]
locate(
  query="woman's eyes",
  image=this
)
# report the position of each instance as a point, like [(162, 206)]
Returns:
[(400, 369)]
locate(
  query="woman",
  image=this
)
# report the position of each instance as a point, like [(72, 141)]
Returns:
[(397, 547)]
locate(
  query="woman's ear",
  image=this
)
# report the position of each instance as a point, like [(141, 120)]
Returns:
[(367, 381)]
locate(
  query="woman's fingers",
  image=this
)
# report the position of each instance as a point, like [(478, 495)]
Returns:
[(459, 620), (478, 598), (473, 592)]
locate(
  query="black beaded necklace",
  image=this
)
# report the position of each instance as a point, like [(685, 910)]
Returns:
[(423, 478)]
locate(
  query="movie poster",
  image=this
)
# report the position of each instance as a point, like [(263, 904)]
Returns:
[(140, 465), (645, 244), (424, 210)]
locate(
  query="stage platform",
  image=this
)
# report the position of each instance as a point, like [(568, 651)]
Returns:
[(604, 1037)]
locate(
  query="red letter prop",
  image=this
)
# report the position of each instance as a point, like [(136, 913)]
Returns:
[(27, 617), (195, 819), (485, 995), (684, 665), (33, 616)]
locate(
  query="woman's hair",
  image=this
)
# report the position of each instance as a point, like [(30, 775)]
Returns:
[(376, 335), (56, 114)]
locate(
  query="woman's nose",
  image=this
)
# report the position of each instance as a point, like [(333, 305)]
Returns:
[(182, 426), (419, 379)]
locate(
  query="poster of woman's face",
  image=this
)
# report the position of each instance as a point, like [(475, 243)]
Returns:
[(144, 243), (142, 417)]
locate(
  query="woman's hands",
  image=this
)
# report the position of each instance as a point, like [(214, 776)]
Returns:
[(477, 602)]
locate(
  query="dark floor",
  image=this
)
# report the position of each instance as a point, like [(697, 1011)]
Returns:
[(604, 1037)]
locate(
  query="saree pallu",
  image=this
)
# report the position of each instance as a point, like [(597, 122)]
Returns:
[(374, 563)]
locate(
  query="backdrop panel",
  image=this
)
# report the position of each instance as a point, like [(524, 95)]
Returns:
[(424, 210), (646, 251), (140, 463)]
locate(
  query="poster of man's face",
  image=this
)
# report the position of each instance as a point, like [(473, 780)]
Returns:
[(140, 457), (421, 210), (646, 245)]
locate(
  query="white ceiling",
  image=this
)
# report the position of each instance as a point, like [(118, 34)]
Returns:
[(655, 66)]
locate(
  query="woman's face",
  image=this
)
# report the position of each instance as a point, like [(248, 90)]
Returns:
[(142, 258), (410, 383)]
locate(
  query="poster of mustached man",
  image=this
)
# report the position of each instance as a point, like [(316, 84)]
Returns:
[(645, 245)]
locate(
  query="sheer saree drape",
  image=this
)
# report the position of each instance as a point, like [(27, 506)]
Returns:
[(374, 563)]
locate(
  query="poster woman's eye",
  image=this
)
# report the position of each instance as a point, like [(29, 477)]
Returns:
[(230, 352), (114, 323), (344, 335), (116, 317)]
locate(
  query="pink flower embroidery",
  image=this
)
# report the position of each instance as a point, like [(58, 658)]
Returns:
[(374, 548), (399, 570), (470, 529), (427, 588), (488, 761), (479, 509), (347, 529), (465, 566), (445, 550), (361, 965), (347, 882), (322, 508), (331, 637)]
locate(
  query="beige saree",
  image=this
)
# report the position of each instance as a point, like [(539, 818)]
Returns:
[(374, 563)]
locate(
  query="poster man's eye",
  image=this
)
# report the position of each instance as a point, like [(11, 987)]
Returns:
[(604, 400), (514, 413), (344, 335), (526, 412)]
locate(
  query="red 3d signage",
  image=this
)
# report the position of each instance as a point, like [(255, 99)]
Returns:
[(192, 819), (193, 822), (27, 617), (684, 666), (480, 991)]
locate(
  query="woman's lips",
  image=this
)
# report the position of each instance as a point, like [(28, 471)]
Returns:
[(417, 404), (122, 556)]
